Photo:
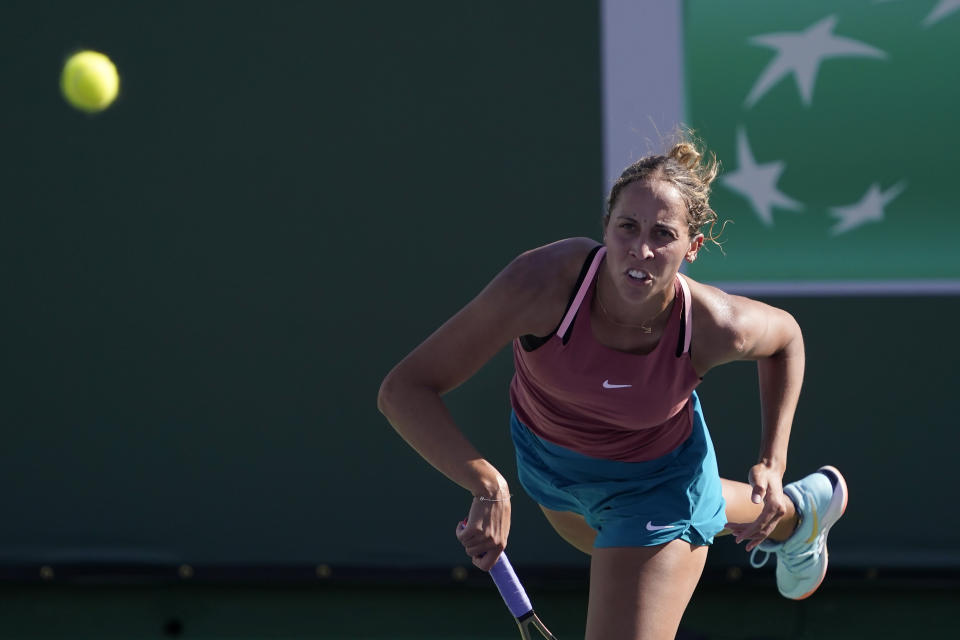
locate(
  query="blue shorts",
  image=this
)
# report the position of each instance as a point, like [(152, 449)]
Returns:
[(630, 504)]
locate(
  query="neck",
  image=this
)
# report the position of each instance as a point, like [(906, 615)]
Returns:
[(644, 315)]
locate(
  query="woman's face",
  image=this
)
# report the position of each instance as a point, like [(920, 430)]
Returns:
[(647, 236)]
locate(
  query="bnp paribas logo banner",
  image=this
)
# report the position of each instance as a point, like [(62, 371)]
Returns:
[(838, 128)]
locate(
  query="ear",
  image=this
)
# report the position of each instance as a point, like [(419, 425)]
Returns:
[(606, 221), (695, 245)]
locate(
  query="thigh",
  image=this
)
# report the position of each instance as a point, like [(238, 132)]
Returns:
[(640, 593), (572, 527)]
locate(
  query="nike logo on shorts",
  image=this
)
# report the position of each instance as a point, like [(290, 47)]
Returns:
[(660, 527), (607, 385)]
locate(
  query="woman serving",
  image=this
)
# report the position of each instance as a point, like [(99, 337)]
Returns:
[(610, 342)]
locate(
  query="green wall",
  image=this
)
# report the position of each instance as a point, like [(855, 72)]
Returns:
[(205, 285), (877, 404)]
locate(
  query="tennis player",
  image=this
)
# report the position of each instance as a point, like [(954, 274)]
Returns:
[(610, 342)]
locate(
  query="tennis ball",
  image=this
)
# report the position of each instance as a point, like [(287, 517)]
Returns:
[(89, 81)]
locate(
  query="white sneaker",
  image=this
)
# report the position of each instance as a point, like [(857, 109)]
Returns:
[(820, 498)]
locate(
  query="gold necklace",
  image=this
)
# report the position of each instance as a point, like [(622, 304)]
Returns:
[(643, 327)]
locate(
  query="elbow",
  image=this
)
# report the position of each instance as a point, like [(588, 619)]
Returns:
[(796, 335), (395, 390), (792, 340), (401, 390), (387, 394)]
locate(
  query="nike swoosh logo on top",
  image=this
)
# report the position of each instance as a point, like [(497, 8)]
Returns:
[(607, 385), (656, 527)]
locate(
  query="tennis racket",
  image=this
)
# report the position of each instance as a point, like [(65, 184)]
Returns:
[(516, 598)]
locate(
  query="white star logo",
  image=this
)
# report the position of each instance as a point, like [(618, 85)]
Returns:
[(758, 182), (801, 53), (941, 11), (868, 209)]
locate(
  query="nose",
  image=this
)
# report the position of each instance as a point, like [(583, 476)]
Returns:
[(641, 249)]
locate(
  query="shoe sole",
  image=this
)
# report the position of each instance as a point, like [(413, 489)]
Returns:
[(838, 504)]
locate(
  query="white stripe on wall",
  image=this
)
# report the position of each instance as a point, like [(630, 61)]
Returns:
[(643, 91), (845, 288)]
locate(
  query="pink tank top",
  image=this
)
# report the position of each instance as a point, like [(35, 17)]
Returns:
[(603, 403)]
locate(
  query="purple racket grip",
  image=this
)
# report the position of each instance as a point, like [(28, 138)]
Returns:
[(508, 584), (510, 588)]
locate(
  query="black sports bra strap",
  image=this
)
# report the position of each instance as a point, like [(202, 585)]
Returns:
[(531, 342)]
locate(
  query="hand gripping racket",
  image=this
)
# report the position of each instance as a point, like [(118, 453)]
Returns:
[(516, 598)]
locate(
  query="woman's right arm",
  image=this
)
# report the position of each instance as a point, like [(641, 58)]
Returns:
[(522, 299)]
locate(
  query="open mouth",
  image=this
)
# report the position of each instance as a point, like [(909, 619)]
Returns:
[(638, 275)]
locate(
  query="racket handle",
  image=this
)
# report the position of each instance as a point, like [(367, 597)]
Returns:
[(510, 588), (508, 584)]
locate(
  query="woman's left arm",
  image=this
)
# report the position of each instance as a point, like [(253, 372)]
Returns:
[(778, 349), (751, 330)]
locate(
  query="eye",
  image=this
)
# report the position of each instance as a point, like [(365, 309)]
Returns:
[(664, 233)]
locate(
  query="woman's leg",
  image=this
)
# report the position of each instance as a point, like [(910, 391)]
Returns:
[(741, 509), (573, 528), (640, 593)]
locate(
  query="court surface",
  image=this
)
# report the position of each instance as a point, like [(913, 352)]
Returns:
[(469, 611)]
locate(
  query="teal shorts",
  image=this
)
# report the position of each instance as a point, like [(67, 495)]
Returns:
[(630, 504)]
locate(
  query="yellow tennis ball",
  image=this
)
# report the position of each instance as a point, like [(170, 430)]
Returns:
[(89, 81)]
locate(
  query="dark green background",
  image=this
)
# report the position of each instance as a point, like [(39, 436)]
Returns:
[(204, 286)]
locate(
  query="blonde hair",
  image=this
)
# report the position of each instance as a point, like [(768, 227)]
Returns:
[(682, 168)]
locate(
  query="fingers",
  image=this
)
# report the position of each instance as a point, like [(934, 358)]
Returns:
[(757, 531), (484, 533), (758, 481), (478, 544), (766, 489), (482, 549), (486, 560), (757, 536)]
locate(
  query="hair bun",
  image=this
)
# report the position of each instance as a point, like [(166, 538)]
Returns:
[(686, 154), (685, 168)]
